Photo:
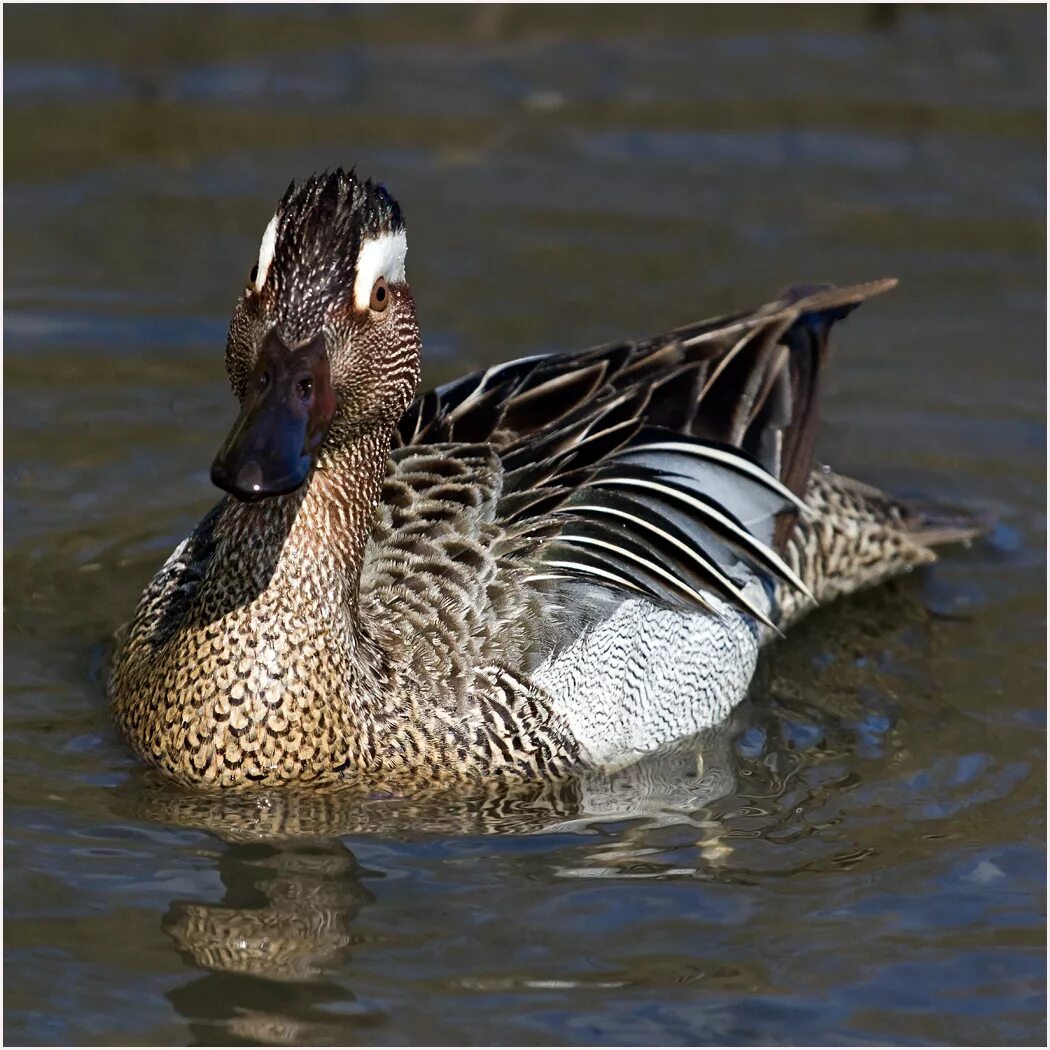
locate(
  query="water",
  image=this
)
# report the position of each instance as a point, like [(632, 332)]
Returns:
[(859, 856)]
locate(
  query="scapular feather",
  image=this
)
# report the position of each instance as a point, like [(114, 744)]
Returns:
[(672, 468)]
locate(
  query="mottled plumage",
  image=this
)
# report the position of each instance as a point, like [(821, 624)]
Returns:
[(556, 564)]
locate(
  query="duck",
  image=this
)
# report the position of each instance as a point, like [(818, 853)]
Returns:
[(562, 562)]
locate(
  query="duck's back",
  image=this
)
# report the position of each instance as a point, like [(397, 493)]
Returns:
[(600, 542)]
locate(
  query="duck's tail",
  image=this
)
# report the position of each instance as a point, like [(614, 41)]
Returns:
[(856, 536)]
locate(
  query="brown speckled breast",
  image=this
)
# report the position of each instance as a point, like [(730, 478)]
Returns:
[(251, 661)]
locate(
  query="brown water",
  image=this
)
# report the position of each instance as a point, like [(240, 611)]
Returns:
[(860, 855)]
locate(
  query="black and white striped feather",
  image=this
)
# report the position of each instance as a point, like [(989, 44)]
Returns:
[(672, 468)]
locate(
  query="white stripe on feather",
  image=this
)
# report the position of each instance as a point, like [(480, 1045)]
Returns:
[(714, 569), (577, 567), (718, 455), (744, 537), (538, 577), (656, 570)]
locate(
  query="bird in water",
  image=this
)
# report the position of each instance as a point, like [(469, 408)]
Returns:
[(560, 563)]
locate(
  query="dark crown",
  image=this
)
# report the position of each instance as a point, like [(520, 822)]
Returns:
[(320, 226)]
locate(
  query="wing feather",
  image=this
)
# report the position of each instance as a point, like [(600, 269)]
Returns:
[(672, 467)]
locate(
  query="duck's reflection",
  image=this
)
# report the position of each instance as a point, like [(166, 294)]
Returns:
[(276, 947), (664, 786), (283, 923), (277, 950), (286, 913)]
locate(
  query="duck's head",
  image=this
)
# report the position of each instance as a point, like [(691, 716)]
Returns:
[(323, 345)]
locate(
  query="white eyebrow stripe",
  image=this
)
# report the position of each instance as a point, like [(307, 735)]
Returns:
[(382, 256), (266, 250)]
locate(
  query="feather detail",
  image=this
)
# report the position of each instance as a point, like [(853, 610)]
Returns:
[(673, 467), (728, 528), (664, 534)]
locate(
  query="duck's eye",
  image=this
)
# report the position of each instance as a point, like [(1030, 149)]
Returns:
[(254, 275), (380, 296)]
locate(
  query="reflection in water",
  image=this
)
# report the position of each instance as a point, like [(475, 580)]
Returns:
[(278, 946), (288, 814), (286, 912), (219, 1008), (284, 920), (293, 889), (665, 787)]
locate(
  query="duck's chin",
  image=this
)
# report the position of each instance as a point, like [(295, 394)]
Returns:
[(254, 482)]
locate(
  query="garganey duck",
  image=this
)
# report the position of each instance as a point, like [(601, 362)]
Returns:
[(561, 562)]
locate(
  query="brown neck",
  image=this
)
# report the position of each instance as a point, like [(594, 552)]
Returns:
[(315, 538), (339, 510)]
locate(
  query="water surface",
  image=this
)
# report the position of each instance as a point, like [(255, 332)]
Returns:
[(859, 855)]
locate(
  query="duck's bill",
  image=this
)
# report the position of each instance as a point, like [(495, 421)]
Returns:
[(285, 413)]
